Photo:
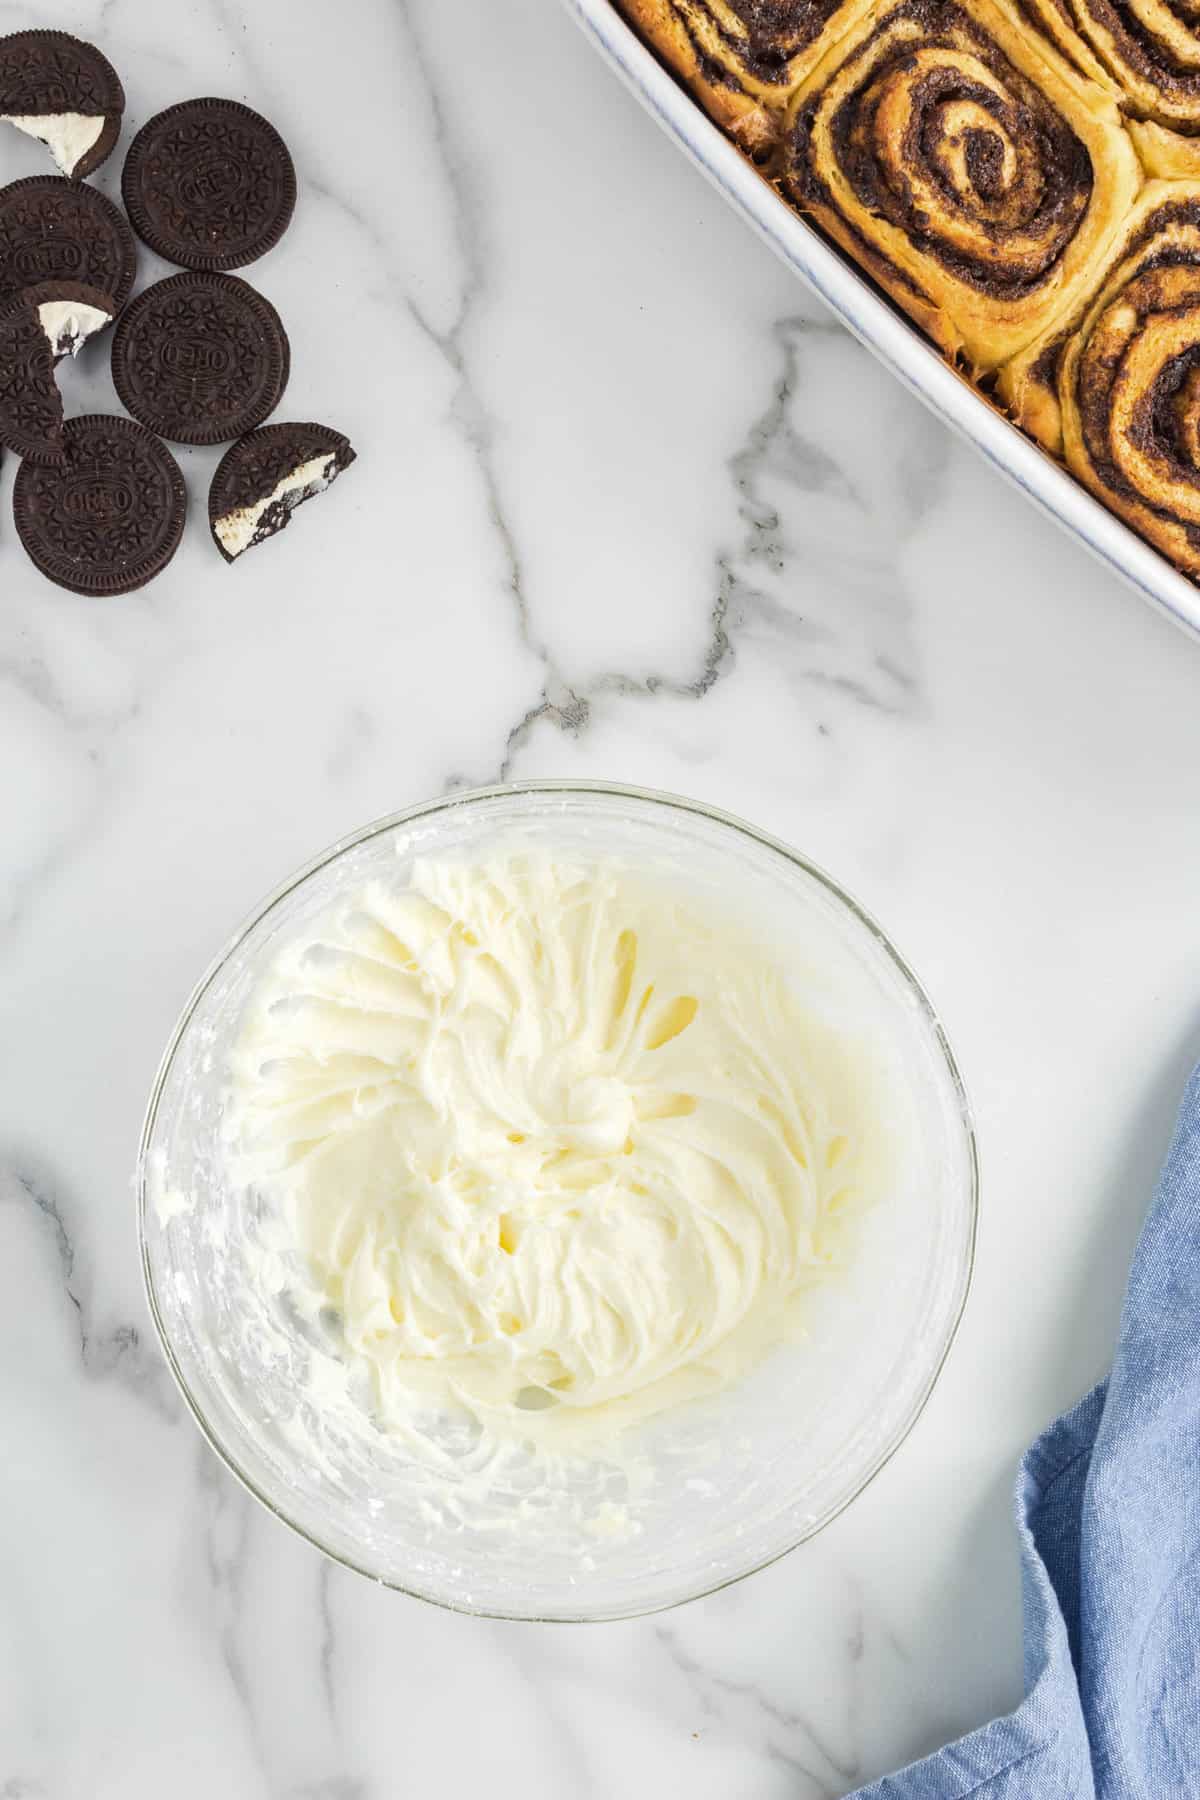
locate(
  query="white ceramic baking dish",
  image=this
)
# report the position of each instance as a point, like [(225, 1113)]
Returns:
[(881, 327)]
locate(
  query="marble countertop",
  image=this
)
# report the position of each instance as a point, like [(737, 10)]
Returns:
[(628, 505)]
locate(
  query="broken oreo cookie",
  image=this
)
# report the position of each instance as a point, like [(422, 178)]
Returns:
[(209, 184), (31, 412), (60, 90), (200, 358), (261, 481), (36, 328), (109, 516), (52, 229), (70, 312)]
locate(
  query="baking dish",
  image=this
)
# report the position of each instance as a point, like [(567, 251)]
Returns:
[(881, 328)]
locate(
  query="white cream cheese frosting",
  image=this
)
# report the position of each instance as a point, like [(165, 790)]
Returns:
[(68, 136), (546, 1141), (69, 323), (237, 529)]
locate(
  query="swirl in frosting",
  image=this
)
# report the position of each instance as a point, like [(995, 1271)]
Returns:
[(546, 1140)]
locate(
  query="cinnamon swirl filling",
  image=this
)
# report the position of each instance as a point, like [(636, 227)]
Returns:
[(1129, 377), (976, 176)]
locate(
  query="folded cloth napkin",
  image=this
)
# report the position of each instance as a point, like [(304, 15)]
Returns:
[(1108, 1511)]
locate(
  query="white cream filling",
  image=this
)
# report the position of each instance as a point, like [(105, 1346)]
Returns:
[(69, 323), (236, 529), (548, 1142), (67, 136)]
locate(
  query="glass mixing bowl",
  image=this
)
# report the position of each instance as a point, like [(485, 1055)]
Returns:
[(727, 1483)]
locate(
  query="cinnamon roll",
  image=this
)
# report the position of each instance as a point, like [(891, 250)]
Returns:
[(1148, 51), (742, 59), (1162, 229), (965, 165), (1126, 372)]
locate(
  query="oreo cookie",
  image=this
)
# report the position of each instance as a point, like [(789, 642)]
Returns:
[(69, 312), (60, 90), (52, 229), (261, 481), (31, 412), (109, 516), (200, 358), (209, 184), (36, 328)]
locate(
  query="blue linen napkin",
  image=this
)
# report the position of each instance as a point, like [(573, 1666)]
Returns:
[(1108, 1511)]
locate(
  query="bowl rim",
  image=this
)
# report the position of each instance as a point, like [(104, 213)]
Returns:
[(669, 802)]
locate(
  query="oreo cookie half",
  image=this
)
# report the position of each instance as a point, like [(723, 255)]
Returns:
[(61, 91), (69, 312), (209, 184), (36, 328), (200, 358), (52, 229), (261, 481), (109, 516)]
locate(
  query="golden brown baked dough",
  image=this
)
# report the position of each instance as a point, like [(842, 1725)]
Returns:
[(1027, 386), (1129, 377), (970, 169), (1163, 226), (743, 58), (1164, 153), (1147, 50)]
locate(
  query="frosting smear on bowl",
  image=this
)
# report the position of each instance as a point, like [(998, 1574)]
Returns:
[(546, 1140)]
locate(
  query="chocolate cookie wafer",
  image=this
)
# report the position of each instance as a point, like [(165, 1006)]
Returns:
[(261, 481), (209, 184), (109, 516), (200, 358), (62, 91), (31, 412), (36, 328), (52, 229), (70, 312)]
